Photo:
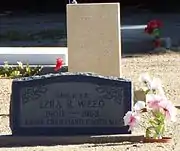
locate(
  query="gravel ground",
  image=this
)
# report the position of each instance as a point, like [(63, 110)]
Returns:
[(164, 66)]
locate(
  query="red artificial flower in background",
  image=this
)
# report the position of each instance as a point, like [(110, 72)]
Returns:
[(157, 43), (59, 63), (153, 24)]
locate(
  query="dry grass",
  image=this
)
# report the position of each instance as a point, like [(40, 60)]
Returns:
[(165, 66)]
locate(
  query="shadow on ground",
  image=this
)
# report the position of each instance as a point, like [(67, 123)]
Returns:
[(4, 115), (109, 144), (178, 107), (152, 52), (18, 141)]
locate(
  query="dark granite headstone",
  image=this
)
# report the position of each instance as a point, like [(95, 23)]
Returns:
[(69, 104)]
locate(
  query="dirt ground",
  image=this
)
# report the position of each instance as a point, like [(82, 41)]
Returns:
[(165, 66)]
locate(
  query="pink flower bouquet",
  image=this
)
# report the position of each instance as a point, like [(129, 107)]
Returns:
[(157, 107)]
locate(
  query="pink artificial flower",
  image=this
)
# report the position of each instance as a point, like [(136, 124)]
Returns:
[(131, 119), (160, 103), (153, 101), (168, 109), (156, 85)]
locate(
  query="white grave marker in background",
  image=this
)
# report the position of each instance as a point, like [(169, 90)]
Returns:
[(94, 39)]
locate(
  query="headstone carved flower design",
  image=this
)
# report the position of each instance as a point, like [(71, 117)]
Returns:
[(157, 109)]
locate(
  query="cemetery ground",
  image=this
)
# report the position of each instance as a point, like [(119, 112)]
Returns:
[(164, 65)]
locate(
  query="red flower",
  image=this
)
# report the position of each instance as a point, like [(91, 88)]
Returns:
[(157, 43), (153, 24), (59, 63), (148, 30)]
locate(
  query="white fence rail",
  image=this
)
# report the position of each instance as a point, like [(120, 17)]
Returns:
[(33, 55)]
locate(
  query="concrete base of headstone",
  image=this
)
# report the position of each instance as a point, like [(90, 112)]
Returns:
[(33, 55), (15, 141), (135, 40)]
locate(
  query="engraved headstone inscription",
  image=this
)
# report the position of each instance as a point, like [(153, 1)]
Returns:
[(69, 104)]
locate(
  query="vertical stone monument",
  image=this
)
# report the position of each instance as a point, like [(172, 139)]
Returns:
[(94, 39)]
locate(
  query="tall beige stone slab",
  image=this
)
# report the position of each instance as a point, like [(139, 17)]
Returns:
[(94, 39)]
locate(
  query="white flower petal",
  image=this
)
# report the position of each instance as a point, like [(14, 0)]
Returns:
[(145, 78), (139, 105), (155, 84), (152, 97), (173, 116)]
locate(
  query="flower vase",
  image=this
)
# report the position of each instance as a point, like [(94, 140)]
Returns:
[(157, 140)]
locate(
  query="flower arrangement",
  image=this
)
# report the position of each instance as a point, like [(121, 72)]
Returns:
[(157, 109), (154, 29), (25, 70)]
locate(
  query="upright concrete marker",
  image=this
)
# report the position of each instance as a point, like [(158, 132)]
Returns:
[(94, 39)]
